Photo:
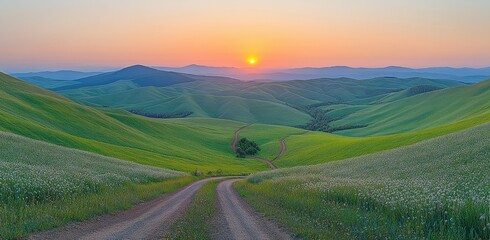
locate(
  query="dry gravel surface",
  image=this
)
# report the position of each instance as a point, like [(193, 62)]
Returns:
[(239, 221), (150, 220)]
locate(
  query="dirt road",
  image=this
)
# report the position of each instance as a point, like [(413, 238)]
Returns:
[(266, 161), (235, 139), (239, 220), (150, 220), (283, 149)]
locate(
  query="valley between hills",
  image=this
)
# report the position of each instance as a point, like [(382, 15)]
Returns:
[(147, 153)]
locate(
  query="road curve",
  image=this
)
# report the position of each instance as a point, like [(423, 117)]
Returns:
[(240, 220), (283, 149), (150, 220), (265, 160), (235, 139)]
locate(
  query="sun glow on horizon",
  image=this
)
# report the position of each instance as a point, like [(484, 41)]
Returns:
[(252, 60)]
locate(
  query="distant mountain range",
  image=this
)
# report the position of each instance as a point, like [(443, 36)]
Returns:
[(57, 75), (140, 75), (468, 75), (151, 92)]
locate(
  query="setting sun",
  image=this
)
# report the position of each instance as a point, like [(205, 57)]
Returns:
[(252, 61)]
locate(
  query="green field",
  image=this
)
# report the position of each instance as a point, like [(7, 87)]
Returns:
[(44, 185), (180, 144), (307, 148), (215, 97), (268, 137), (420, 111), (44, 115), (435, 189), (427, 126)]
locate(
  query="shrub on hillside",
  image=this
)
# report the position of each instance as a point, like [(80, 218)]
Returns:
[(246, 147)]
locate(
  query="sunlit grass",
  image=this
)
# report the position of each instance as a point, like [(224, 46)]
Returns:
[(436, 189), (44, 186)]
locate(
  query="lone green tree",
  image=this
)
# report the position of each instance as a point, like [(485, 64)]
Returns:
[(246, 147)]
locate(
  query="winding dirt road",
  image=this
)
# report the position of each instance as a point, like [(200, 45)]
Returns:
[(235, 139), (283, 149), (239, 220), (265, 160), (150, 220), (153, 219)]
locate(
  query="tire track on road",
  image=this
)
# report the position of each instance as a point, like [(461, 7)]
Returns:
[(240, 221), (150, 220)]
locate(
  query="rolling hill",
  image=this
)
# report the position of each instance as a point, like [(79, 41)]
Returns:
[(40, 114), (140, 75), (44, 115), (317, 147), (420, 111), (43, 185), (56, 75), (156, 92), (435, 188)]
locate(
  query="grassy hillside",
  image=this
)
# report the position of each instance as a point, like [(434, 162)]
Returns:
[(47, 82), (421, 111), (228, 107), (317, 147), (435, 189), (408, 93), (36, 113), (216, 97), (44, 185), (268, 137)]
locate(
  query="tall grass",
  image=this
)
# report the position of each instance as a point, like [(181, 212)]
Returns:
[(197, 222), (44, 185), (436, 189)]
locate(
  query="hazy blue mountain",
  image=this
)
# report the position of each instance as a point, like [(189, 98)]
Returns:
[(468, 75), (140, 75), (57, 75), (203, 70), (48, 83)]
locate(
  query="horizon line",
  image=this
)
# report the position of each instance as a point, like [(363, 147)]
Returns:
[(115, 68)]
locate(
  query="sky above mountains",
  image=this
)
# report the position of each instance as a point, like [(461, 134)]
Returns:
[(91, 35)]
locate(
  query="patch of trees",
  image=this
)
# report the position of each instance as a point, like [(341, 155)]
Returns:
[(320, 120), (422, 89), (316, 105), (346, 127), (245, 147), (198, 173), (161, 115)]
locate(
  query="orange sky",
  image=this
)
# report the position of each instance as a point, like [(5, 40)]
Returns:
[(56, 34)]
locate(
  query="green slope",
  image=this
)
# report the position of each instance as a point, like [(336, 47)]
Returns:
[(229, 107), (436, 189), (420, 111), (408, 93), (43, 185), (317, 147), (176, 144), (41, 170), (268, 137), (47, 82), (252, 102)]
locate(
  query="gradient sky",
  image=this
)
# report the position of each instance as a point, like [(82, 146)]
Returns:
[(89, 34)]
